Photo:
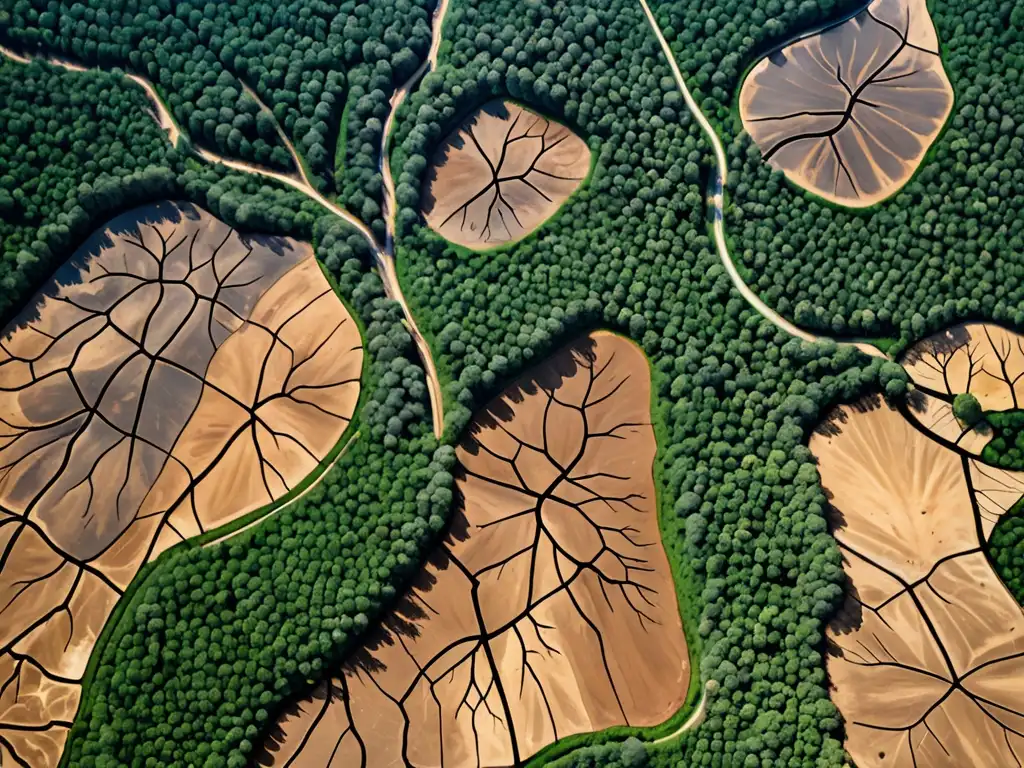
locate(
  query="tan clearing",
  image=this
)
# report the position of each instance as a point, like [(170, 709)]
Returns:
[(173, 376), (927, 656), (977, 358), (849, 113), (549, 609), (501, 175)]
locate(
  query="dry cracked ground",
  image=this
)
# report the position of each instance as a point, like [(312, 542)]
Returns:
[(501, 175), (173, 376), (980, 358), (548, 610), (927, 656), (849, 113)]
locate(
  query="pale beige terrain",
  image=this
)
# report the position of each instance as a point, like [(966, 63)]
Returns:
[(927, 659), (173, 376), (849, 113), (548, 610), (501, 175), (980, 358)]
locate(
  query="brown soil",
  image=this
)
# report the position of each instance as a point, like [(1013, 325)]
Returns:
[(173, 376), (549, 610), (927, 658), (849, 113), (502, 174)]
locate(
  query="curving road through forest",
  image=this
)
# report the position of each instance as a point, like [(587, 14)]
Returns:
[(716, 195), (383, 258)]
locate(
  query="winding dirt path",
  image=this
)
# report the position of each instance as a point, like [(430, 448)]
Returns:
[(698, 717), (716, 200), (383, 258)]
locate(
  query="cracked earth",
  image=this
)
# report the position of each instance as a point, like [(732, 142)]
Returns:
[(173, 376), (548, 610)]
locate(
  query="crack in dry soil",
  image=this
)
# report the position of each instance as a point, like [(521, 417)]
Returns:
[(927, 655), (176, 377), (844, 103), (510, 168), (525, 625)]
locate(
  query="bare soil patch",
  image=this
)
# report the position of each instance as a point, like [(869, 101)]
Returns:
[(501, 175), (549, 610), (173, 376), (850, 112), (927, 657), (982, 359)]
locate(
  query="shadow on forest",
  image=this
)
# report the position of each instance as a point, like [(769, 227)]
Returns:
[(455, 140), (945, 343)]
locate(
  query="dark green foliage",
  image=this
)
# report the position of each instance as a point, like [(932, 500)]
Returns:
[(220, 638), (631, 251), (946, 247), (1006, 550), (631, 753), (1006, 448), (71, 149), (79, 148), (967, 409), (304, 60)]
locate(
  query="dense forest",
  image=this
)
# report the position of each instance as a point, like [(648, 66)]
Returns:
[(79, 148), (1006, 550), (310, 62), (944, 248), (631, 251), (220, 638), (1006, 448)]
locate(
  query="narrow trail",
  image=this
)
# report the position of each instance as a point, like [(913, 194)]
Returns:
[(293, 500), (397, 99), (716, 201), (698, 716), (383, 256)]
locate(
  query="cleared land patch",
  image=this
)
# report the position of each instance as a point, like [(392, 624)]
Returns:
[(174, 375), (927, 656), (850, 112), (548, 610), (501, 175), (979, 359)]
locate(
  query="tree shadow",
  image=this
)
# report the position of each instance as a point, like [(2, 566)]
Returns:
[(457, 140), (943, 343)]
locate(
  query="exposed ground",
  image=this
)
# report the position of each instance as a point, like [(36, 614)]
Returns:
[(927, 656), (977, 358), (501, 175), (173, 376), (850, 112), (549, 609)]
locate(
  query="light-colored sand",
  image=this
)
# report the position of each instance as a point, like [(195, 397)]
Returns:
[(848, 114), (928, 661), (550, 608), (980, 358), (983, 359), (936, 415), (173, 377), (501, 175)]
